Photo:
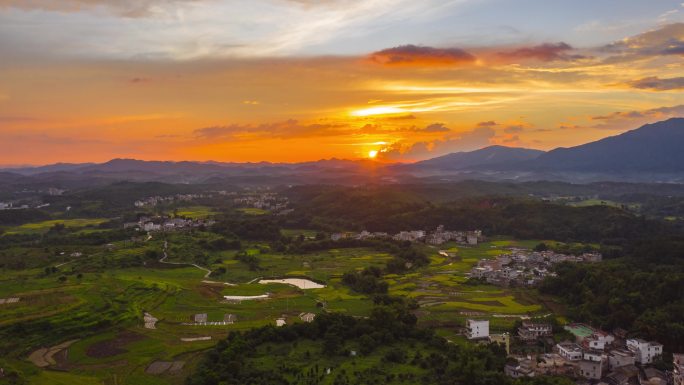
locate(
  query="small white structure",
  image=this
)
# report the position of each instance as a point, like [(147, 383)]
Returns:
[(150, 321), (644, 351), (200, 318), (229, 319), (477, 329), (570, 351), (280, 322), (307, 317)]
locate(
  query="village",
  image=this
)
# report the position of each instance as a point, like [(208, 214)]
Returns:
[(165, 223), (437, 237), (592, 356), (522, 267)]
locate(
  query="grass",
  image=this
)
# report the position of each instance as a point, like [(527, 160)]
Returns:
[(195, 212), (253, 211), (62, 378), (603, 202)]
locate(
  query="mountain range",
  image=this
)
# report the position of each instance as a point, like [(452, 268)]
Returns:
[(652, 153)]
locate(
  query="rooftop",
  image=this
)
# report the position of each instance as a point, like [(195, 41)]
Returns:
[(580, 330)]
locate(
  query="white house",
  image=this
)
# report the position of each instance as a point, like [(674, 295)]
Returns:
[(280, 322), (477, 329), (307, 317), (570, 351), (592, 355), (644, 351)]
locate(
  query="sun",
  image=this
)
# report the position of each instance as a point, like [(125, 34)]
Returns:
[(372, 154)]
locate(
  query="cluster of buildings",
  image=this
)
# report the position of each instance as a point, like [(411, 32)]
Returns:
[(262, 200), (202, 319), (437, 237), (11, 206), (305, 317), (594, 357), (155, 200), (149, 224), (523, 267)]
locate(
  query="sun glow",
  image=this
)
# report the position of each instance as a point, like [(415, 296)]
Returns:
[(388, 110), (372, 154)]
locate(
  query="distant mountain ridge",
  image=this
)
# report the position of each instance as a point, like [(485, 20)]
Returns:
[(657, 147), (491, 155), (650, 153)]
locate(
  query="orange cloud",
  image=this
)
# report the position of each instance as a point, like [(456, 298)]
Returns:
[(413, 55), (544, 52)]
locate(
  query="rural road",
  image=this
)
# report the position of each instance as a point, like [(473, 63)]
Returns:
[(166, 255)]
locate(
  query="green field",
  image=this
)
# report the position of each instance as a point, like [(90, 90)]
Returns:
[(603, 202), (253, 211), (39, 227), (103, 307), (195, 212)]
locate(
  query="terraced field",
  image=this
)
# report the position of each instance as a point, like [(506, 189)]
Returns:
[(100, 311)]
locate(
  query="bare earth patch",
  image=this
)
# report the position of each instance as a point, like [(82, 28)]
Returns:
[(113, 347), (44, 357), (161, 367)]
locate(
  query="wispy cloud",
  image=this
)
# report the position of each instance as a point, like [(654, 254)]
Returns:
[(124, 8), (658, 84), (283, 130)]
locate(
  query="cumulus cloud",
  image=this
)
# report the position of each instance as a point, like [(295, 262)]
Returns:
[(467, 141), (379, 129), (658, 84), (544, 52), (437, 127), (490, 123), (421, 55), (514, 129)]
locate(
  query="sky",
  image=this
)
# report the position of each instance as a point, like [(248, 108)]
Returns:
[(301, 80)]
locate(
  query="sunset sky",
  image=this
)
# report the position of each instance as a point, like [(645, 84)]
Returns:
[(297, 80)]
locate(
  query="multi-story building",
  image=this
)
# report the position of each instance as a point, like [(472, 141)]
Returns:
[(476, 329), (530, 331), (570, 351), (644, 351)]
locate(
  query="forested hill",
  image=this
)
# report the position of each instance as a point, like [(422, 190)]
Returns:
[(526, 218)]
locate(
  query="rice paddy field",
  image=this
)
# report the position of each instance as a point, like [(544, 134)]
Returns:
[(41, 227), (97, 302)]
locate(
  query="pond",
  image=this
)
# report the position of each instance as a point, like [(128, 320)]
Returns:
[(299, 282)]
